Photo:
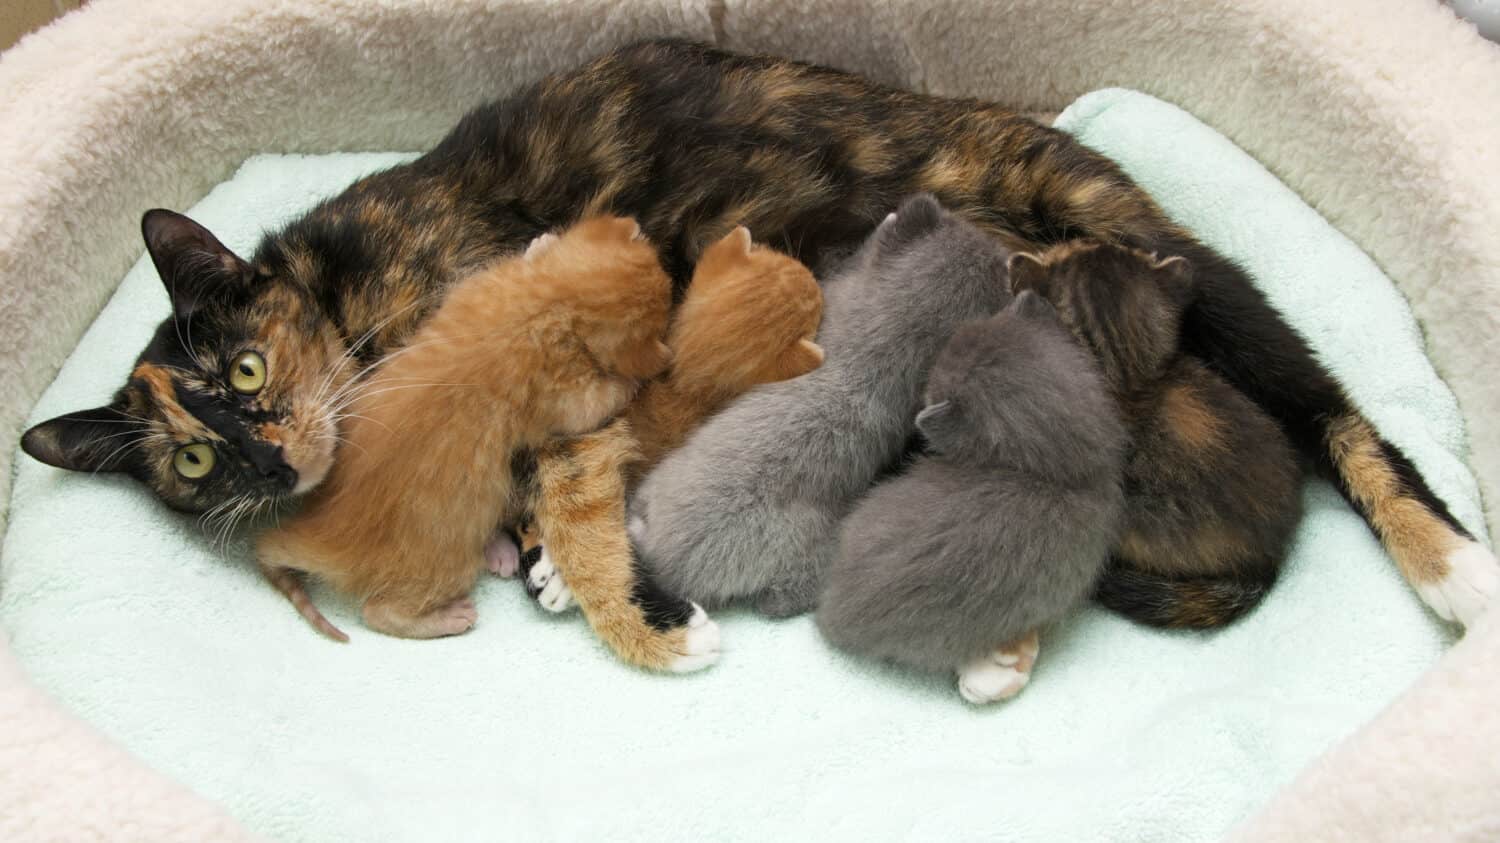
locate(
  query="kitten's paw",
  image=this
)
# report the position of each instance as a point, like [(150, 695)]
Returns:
[(545, 583), (700, 643), (501, 556), (1472, 583), (1000, 674), (455, 618)]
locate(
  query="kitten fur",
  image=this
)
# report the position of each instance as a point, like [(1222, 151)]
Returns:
[(691, 140), (552, 342), (748, 508), (1213, 487), (749, 317), (1007, 524)]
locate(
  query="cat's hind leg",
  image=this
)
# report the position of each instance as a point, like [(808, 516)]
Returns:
[(1001, 673), (539, 574), (402, 620)]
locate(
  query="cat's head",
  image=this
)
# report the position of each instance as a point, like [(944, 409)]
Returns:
[(925, 253), (1124, 304), (1016, 388), (750, 317), (233, 401)]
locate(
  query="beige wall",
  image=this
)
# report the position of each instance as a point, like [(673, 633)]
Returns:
[(18, 17)]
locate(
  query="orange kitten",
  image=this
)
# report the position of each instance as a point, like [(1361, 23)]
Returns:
[(748, 318), (550, 343)]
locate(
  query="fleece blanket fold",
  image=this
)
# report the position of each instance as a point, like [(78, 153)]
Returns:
[(527, 728)]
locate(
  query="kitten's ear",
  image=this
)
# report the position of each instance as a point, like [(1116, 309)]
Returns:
[(541, 244), (917, 216), (740, 239), (1032, 306), (936, 418), (1175, 275), (1026, 272), (89, 440), (802, 357), (192, 263)]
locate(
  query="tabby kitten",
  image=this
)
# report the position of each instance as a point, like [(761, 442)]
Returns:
[(748, 508), (690, 140), (953, 565), (552, 342), (749, 317), (1213, 488)]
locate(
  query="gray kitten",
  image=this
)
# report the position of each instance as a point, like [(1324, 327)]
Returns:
[(749, 507), (953, 565)]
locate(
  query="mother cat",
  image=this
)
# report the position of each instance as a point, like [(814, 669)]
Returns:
[(232, 404)]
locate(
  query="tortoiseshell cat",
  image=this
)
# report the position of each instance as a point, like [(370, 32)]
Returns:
[(1212, 486), (748, 318), (553, 342), (691, 140)]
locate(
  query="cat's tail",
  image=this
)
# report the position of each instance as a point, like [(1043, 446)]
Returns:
[(289, 583), (1181, 602)]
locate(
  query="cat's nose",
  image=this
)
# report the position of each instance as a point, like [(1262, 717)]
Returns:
[(272, 466), (282, 475)]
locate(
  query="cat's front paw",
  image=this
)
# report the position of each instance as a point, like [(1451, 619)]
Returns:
[(699, 644), (1470, 586), (1001, 673), (544, 582)]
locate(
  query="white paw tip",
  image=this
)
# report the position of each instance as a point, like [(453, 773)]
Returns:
[(1472, 583), (556, 597), (985, 682), (701, 643), (541, 573)]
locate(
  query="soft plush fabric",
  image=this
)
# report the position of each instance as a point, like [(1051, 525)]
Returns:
[(528, 727)]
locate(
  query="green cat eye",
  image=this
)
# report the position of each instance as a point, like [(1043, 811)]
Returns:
[(193, 461), (248, 373)]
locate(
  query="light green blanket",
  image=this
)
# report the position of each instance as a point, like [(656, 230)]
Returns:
[(527, 728)]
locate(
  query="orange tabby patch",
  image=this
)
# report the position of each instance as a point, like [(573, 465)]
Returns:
[(748, 318), (550, 343)]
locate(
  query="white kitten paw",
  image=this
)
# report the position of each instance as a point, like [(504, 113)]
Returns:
[(700, 643), (1472, 583), (1000, 674), (548, 586)]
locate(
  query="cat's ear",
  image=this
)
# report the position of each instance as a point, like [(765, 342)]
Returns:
[(192, 263), (739, 240), (935, 418), (89, 440), (1026, 272), (541, 244), (800, 358), (1030, 305), (1175, 275), (915, 217)]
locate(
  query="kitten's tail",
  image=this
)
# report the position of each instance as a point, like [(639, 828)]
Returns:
[(1181, 603), (289, 583)]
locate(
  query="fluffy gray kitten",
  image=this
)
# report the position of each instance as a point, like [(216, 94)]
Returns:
[(1005, 526), (749, 507)]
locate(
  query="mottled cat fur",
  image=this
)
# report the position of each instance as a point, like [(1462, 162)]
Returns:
[(691, 140), (1006, 525), (552, 342), (1213, 487), (749, 317), (748, 508)]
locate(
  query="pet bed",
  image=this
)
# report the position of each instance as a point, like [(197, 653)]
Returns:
[(1346, 635)]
